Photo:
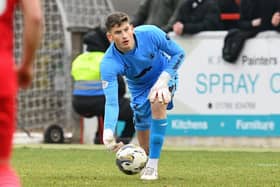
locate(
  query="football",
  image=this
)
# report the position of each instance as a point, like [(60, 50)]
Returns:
[(131, 159)]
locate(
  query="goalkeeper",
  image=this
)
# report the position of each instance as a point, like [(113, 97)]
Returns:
[(149, 59), (88, 97)]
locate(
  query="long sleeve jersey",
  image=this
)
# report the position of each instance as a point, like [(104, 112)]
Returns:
[(154, 52)]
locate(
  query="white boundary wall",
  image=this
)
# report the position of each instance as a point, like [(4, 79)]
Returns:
[(238, 102)]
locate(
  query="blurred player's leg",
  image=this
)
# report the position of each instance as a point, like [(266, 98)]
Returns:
[(8, 178)]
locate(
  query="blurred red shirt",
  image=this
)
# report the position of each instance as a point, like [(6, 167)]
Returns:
[(8, 83)]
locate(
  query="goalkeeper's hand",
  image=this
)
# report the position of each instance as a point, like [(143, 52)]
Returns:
[(160, 89), (110, 142)]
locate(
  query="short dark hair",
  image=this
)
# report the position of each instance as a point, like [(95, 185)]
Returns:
[(116, 18)]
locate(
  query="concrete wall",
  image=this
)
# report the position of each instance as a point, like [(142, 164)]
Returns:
[(128, 6)]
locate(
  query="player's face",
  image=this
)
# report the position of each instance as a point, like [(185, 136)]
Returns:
[(122, 36)]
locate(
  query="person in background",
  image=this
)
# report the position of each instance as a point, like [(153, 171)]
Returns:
[(259, 15), (149, 59), (88, 96), (229, 7), (12, 76), (156, 12), (197, 15)]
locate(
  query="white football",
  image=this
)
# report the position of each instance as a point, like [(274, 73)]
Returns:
[(131, 159)]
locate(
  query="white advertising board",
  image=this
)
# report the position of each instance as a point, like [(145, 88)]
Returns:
[(216, 98)]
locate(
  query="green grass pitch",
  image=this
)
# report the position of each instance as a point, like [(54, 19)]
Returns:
[(93, 166)]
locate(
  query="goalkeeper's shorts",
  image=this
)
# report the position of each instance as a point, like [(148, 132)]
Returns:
[(142, 109)]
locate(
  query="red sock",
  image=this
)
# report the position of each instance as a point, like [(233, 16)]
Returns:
[(8, 177)]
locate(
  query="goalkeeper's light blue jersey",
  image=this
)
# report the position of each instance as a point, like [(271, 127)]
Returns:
[(154, 52)]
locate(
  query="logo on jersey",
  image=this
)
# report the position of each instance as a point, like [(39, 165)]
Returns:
[(3, 4), (164, 124), (104, 84), (143, 72)]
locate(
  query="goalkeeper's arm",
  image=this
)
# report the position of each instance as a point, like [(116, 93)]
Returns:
[(111, 115)]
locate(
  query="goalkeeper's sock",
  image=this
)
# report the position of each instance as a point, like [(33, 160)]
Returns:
[(157, 134), (8, 177)]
